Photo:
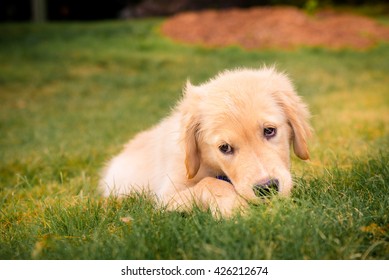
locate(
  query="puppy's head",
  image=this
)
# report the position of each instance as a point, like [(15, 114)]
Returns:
[(241, 124)]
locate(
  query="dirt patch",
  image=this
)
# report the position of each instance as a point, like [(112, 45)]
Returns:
[(275, 27)]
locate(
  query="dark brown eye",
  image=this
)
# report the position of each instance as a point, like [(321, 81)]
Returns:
[(269, 132), (226, 149)]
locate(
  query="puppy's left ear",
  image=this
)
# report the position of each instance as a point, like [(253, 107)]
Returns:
[(298, 116)]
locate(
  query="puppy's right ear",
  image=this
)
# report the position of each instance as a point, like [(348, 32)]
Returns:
[(191, 125), (192, 153)]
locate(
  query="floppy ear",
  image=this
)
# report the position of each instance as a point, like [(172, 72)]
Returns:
[(191, 127), (192, 153), (298, 117)]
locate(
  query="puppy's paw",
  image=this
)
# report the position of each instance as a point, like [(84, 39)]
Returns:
[(222, 199), (228, 206)]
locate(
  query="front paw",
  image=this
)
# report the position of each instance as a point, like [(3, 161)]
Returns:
[(228, 206), (222, 199)]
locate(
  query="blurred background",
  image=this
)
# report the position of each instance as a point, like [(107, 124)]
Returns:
[(63, 10)]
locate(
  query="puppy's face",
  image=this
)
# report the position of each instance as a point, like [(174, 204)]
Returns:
[(251, 147), (241, 125)]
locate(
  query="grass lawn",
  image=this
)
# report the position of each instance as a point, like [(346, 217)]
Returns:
[(72, 93)]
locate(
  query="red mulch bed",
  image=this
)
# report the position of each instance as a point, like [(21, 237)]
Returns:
[(275, 27)]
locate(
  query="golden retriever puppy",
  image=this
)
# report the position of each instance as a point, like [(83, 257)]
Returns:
[(226, 141)]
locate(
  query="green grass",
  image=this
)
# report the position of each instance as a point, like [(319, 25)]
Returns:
[(72, 94)]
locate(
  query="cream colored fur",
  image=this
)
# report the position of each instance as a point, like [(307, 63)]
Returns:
[(178, 159)]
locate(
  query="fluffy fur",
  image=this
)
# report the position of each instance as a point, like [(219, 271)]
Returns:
[(179, 159)]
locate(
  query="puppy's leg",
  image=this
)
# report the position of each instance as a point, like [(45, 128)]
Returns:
[(217, 195)]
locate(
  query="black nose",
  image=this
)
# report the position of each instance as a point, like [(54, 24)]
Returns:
[(266, 188)]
